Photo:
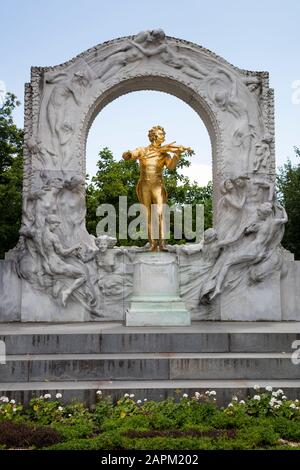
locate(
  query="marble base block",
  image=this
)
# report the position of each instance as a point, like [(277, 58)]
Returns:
[(258, 302), (156, 300)]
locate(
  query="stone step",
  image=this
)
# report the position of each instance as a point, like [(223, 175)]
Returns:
[(114, 337), (147, 366), (85, 391)]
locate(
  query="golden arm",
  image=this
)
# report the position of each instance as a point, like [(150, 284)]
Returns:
[(132, 154)]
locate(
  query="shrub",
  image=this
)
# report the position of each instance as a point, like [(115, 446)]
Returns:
[(21, 435)]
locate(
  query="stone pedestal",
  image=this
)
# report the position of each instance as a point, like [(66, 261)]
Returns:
[(156, 300)]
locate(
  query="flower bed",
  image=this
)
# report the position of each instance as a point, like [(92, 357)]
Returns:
[(267, 419)]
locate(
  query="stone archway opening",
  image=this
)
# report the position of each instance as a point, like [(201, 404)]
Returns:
[(172, 88), (125, 121)]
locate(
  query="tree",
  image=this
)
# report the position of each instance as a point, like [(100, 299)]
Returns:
[(115, 178), (11, 172), (288, 185)]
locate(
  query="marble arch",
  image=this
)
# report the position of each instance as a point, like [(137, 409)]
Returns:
[(61, 102), (57, 272)]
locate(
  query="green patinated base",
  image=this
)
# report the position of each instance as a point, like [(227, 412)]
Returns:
[(156, 300)]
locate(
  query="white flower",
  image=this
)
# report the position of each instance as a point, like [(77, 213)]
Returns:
[(279, 392), (284, 397), (269, 388), (274, 394), (4, 399), (131, 395), (229, 405), (58, 395), (256, 387), (47, 395), (213, 393), (139, 402), (60, 408), (256, 397), (14, 410), (98, 392), (293, 406), (126, 395), (12, 402), (207, 392), (296, 401), (242, 402), (185, 395), (145, 399), (41, 397), (197, 395), (235, 398)]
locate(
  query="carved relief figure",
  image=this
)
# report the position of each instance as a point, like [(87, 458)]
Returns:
[(67, 92), (171, 58), (130, 53), (53, 258), (258, 243), (262, 153), (230, 206), (222, 89)]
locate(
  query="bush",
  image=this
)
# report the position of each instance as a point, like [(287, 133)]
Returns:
[(21, 435)]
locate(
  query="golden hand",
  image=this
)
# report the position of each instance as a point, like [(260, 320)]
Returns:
[(127, 155)]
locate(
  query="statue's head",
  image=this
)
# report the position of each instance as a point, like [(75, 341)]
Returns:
[(265, 210), (210, 235), (104, 242), (157, 135), (227, 186), (53, 222), (158, 34), (81, 78), (241, 181)]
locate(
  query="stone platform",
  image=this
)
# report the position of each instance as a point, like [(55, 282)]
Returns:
[(151, 362)]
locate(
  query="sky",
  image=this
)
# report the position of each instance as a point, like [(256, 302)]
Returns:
[(257, 35)]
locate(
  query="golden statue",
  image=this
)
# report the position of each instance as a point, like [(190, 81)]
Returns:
[(150, 188)]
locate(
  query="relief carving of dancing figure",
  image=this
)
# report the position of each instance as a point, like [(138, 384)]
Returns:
[(229, 210), (66, 93), (147, 44), (54, 258), (262, 154), (130, 53), (171, 57), (255, 246), (223, 90)]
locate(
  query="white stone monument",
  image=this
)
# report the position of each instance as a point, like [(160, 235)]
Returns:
[(59, 272)]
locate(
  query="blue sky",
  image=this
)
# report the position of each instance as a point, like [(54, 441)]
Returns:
[(256, 35)]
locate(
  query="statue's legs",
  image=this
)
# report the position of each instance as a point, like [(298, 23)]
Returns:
[(144, 192), (159, 198)]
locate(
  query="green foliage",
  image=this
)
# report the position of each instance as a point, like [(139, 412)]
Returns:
[(11, 171), (271, 421), (119, 178), (288, 185)]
